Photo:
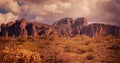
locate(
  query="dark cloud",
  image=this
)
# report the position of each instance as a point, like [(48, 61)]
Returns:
[(101, 11), (10, 5), (112, 7), (3, 11)]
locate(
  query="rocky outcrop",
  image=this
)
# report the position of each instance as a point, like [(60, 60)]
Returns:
[(79, 23), (70, 27), (31, 28), (20, 27), (24, 28), (95, 30), (3, 30), (64, 26), (52, 31)]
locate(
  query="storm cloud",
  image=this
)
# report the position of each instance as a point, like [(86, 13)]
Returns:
[(98, 11)]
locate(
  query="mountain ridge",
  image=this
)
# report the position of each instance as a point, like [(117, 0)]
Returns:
[(64, 27)]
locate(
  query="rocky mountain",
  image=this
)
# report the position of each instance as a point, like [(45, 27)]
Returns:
[(78, 24), (24, 28), (69, 27), (96, 29), (64, 27)]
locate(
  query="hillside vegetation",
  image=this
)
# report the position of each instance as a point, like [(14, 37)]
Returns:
[(42, 49)]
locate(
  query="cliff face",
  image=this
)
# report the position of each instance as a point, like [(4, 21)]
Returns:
[(24, 28), (78, 24), (95, 30), (64, 27), (70, 27)]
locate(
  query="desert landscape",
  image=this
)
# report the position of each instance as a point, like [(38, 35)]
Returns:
[(66, 41), (59, 31)]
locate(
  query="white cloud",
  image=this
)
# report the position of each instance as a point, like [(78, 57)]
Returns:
[(10, 5), (64, 5), (52, 8), (5, 18), (39, 19)]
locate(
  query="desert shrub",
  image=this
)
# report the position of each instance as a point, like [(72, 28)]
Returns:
[(30, 38), (109, 37), (49, 37), (19, 56), (67, 57), (86, 48), (85, 37), (77, 47), (90, 57), (80, 38), (85, 42), (52, 37), (49, 51), (5, 40), (21, 39), (67, 49), (115, 45), (20, 43), (27, 45), (98, 40)]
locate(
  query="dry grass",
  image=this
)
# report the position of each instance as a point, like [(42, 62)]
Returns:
[(79, 49), (19, 56)]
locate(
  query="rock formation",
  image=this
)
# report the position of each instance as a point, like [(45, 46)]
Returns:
[(3, 30), (20, 27), (24, 28), (79, 23), (31, 28), (70, 27), (95, 30), (64, 27)]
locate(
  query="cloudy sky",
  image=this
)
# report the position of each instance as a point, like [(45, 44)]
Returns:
[(48, 11)]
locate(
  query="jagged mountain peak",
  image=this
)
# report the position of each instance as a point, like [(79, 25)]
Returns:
[(66, 20), (25, 28), (64, 27), (80, 26), (81, 21)]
